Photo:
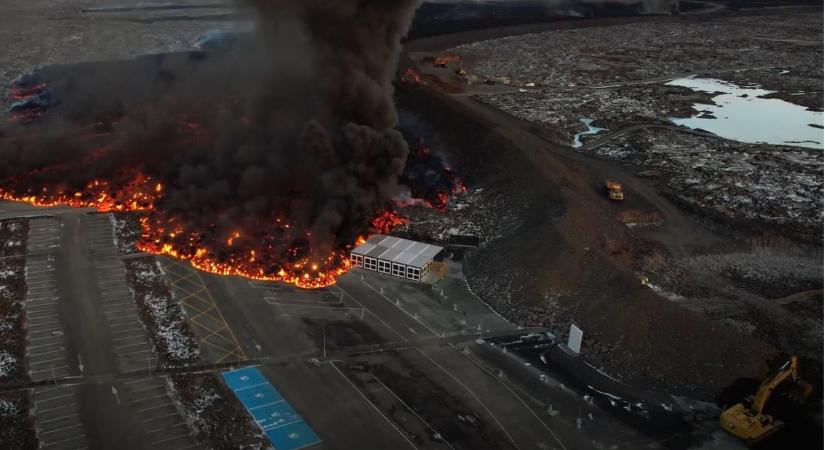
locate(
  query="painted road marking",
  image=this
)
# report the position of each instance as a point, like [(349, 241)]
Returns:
[(284, 427), (395, 427), (205, 317)]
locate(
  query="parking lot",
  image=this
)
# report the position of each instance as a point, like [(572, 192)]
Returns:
[(130, 343), (48, 356), (58, 417), (165, 428)]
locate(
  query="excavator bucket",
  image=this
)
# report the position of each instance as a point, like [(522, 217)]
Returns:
[(799, 391)]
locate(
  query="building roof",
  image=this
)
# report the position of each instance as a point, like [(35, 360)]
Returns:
[(397, 250)]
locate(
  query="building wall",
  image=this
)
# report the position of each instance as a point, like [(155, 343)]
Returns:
[(390, 268)]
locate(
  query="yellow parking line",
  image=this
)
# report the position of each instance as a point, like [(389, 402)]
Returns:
[(179, 272)]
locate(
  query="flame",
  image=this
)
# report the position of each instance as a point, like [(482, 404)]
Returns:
[(444, 60), (136, 194), (386, 221), (410, 76), (266, 249)]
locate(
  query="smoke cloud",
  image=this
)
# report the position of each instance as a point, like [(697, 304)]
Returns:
[(288, 139)]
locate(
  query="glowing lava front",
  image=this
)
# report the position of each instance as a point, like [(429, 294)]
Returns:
[(264, 257)]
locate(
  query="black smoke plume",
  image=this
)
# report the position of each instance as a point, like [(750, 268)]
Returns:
[(296, 123)]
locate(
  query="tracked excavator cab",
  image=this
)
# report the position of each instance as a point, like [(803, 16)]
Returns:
[(752, 424)]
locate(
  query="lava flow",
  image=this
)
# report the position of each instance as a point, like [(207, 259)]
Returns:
[(271, 255), (272, 169), (138, 194)]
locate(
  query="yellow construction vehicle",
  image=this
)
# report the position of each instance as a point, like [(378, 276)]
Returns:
[(614, 190), (752, 424)]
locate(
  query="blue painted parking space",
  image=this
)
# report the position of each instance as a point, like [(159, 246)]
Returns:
[(293, 436), (275, 415), (242, 378), (255, 396), (284, 427)]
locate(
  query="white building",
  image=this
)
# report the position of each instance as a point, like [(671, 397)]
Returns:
[(395, 256)]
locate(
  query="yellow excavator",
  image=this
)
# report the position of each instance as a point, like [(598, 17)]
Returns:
[(753, 424)]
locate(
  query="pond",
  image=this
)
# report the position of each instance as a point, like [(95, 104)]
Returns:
[(743, 114), (577, 142)]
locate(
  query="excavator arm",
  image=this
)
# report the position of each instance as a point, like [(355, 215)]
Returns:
[(752, 424), (788, 370)]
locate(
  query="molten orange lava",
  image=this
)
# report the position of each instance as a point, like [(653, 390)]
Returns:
[(410, 76), (386, 221), (305, 272), (138, 194), (444, 60), (235, 254)]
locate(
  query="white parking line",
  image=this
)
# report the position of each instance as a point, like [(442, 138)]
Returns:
[(171, 438), (115, 296), (46, 353), (373, 405), (43, 345), (59, 418), (42, 301), (479, 365), (45, 316), (135, 353), (40, 308), (40, 277), (374, 315), (59, 397), (42, 323), (130, 345), (152, 419), (50, 369), (42, 291), (123, 319), (156, 430), (155, 407), (34, 309), (121, 313), (44, 297), (50, 270), (138, 400), (119, 308), (141, 335), (56, 408), (134, 391), (46, 332), (107, 304), (48, 361), (470, 391), (61, 429), (47, 444)]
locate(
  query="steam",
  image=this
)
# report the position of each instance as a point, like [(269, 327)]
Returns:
[(296, 124)]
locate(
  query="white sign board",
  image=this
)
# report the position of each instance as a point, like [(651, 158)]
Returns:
[(574, 342)]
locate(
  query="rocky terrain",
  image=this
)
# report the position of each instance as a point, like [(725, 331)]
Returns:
[(558, 113), (626, 68), (607, 55), (773, 185), (716, 233)]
